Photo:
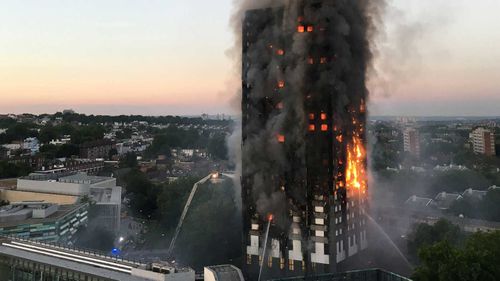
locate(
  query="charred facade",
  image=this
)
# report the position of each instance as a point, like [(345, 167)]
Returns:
[(303, 103)]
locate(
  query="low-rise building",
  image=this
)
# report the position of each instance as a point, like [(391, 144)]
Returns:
[(31, 144), (42, 221), (418, 203), (474, 194), (444, 200), (72, 187), (32, 260), (96, 149)]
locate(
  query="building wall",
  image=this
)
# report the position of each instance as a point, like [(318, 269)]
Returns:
[(412, 141), (52, 187), (483, 141), (18, 196), (60, 230)]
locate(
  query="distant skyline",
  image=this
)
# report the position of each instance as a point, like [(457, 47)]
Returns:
[(161, 57)]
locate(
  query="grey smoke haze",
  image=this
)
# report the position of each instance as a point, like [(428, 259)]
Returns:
[(400, 42)]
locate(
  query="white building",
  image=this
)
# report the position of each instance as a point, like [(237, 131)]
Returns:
[(411, 141), (31, 144), (483, 141), (102, 190)]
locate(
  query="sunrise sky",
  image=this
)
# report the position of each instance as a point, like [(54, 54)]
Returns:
[(168, 57)]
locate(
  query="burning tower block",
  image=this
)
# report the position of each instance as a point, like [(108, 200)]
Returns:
[(304, 161)]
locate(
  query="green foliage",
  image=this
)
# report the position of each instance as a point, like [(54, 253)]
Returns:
[(10, 170), (174, 137), (126, 133), (87, 133), (477, 260), (426, 235), (142, 194), (63, 151), (129, 160), (172, 198), (7, 122), (100, 119), (18, 132), (211, 232), (217, 147)]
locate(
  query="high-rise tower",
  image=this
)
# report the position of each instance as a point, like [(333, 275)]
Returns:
[(304, 161)]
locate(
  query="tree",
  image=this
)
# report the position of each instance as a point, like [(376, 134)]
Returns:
[(477, 260), (425, 235), (142, 194), (10, 170), (172, 198), (217, 147), (490, 206), (129, 160), (88, 133), (17, 132)]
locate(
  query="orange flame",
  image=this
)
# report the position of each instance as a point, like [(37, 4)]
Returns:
[(355, 170), (281, 138)]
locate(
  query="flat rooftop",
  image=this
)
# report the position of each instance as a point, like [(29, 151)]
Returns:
[(60, 213), (67, 177), (83, 178), (79, 260)]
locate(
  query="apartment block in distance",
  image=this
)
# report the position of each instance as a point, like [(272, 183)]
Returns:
[(412, 141), (483, 141)]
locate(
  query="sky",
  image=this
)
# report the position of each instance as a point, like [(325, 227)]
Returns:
[(159, 57)]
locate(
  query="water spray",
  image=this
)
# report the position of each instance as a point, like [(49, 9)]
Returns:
[(269, 219)]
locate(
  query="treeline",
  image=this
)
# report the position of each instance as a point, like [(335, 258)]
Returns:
[(18, 132), (79, 134), (11, 170), (445, 253), (161, 202), (101, 119), (174, 137)]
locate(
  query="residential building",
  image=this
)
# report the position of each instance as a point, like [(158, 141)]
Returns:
[(483, 141), (412, 141), (444, 200), (304, 182), (418, 203), (96, 149), (31, 144), (474, 194)]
